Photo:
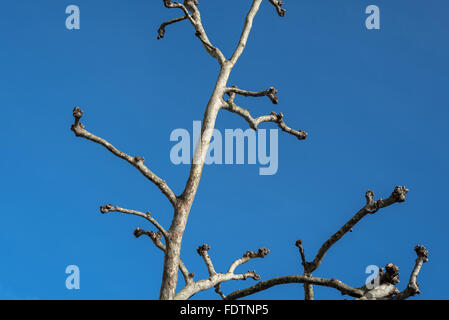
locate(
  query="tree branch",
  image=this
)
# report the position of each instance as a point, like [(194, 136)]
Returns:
[(387, 279), (246, 31), (264, 285), (219, 292), (156, 238), (194, 17), (412, 287), (203, 252), (308, 288), (171, 4), (254, 123), (161, 30), (301, 252), (270, 93), (371, 207), (261, 253), (215, 279), (138, 162), (147, 215), (277, 4)]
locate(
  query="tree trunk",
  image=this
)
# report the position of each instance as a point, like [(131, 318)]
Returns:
[(177, 228)]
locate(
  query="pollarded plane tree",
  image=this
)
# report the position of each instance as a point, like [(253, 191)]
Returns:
[(169, 240)]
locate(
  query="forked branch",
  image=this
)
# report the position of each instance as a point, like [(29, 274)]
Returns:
[(277, 118), (216, 278), (193, 14)]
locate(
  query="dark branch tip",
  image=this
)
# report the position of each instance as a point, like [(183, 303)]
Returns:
[(160, 33), (422, 252), (278, 4), (202, 249), (77, 113), (155, 236), (170, 4), (107, 208), (272, 95), (302, 135), (390, 274), (399, 193), (261, 253), (138, 232), (252, 274), (369, 195)]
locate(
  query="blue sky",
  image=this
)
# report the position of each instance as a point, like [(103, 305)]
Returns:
[(373, 101)]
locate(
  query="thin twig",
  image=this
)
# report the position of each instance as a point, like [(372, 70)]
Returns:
[(203, 252), (277, 118), (161, 30), (270, 93)]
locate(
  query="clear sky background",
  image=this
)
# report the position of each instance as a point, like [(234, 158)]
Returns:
[(374, 104)]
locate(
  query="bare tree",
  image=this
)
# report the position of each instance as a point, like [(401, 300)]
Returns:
[(170, 240)]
